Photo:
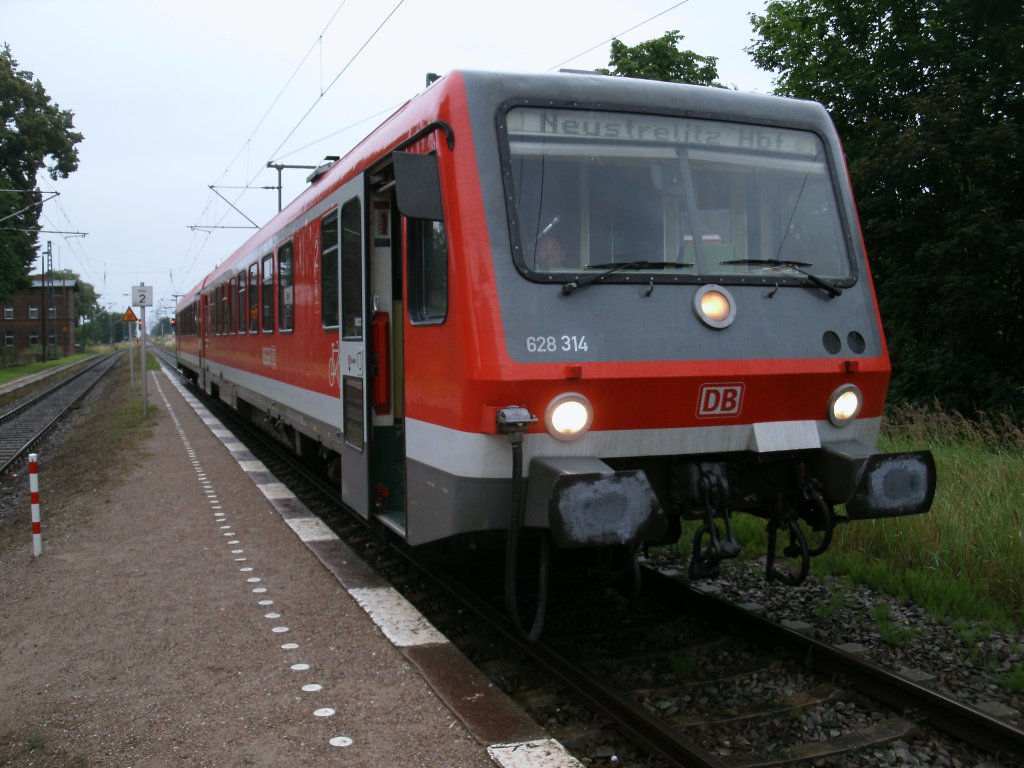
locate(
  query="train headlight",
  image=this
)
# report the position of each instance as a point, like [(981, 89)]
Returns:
[(714, 306), (844, 405), (569, 416)]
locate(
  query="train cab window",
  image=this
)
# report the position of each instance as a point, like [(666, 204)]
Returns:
[(254, 298), (681, 199), (428, 272), (352, 270), (286, 288), (329, 270), (267, 307)]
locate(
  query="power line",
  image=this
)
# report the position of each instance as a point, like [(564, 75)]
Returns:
[(619, 35), (337, 77), (284, 88)]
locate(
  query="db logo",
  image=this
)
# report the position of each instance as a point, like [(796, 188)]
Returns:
[(719, 400)]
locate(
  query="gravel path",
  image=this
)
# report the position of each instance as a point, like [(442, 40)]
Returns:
[(139, 637)]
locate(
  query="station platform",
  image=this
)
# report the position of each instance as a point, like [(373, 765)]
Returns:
[(256, 636)]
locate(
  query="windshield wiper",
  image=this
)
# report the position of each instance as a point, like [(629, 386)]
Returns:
[(617, 266), (796, 266)]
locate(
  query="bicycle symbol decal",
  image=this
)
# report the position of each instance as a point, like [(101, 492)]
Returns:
[(332, 365)]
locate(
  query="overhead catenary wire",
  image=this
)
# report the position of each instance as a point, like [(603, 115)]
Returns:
[(319, 98), (617, 36), (277, 155), (336, 78)]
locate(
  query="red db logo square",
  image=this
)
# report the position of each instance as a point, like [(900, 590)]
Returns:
[(719, 400)]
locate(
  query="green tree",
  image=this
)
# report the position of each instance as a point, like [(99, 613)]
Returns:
[(928, 97), (662, 59), (86, 304), (35, 135)]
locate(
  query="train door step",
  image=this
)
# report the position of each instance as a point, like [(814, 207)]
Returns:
[(393, 519)]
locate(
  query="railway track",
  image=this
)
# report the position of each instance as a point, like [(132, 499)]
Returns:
[(30, 419), (678, 677)]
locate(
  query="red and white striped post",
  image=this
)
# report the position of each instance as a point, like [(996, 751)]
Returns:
[(33, 486)]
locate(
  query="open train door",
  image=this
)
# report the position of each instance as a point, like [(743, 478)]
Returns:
[(352, 357)]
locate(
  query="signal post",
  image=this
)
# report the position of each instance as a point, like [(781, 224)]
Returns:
[(142, 297)]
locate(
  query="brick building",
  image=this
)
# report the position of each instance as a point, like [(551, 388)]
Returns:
[(48, 307)]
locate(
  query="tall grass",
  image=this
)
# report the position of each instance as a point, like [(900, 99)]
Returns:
[(964, 559)]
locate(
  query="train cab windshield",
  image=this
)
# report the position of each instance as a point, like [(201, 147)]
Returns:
[(671, 199)]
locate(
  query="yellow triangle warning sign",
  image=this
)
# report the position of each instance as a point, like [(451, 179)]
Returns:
[(129, 316)]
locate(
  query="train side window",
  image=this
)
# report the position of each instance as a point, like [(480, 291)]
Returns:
[(241, 305), (225, 311), (268, 294), (218, 310), (232, 315), (352, 270), (285, 288), (225, 306), (329, 270), (254, 298), (428, 272)]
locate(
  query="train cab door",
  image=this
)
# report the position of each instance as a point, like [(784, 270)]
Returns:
[(352, 357)]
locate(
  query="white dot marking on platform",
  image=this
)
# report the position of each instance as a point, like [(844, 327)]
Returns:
[(279, 630), (340, 741), (254, 580), (290, 647), (324, 712), (299, 667), (259, 590), (237, 551), (312, 687), (265, 602), (271, 615)]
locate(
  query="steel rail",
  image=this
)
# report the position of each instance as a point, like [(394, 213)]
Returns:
[(645, 730), (947, 714), (33, 431), (24, 404)]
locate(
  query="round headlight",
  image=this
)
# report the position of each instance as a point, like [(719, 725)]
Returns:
[(844, 405), (569, 416), (714, 306)]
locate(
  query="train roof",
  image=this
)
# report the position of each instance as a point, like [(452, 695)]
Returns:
[(485, 91)]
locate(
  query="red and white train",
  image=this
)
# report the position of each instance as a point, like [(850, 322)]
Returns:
[(581, 305)]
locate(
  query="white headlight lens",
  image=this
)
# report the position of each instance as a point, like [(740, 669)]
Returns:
[(569, 416), (844, 405), (714, 306)]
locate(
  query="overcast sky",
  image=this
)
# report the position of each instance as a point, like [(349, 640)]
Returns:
[(173, 96)]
